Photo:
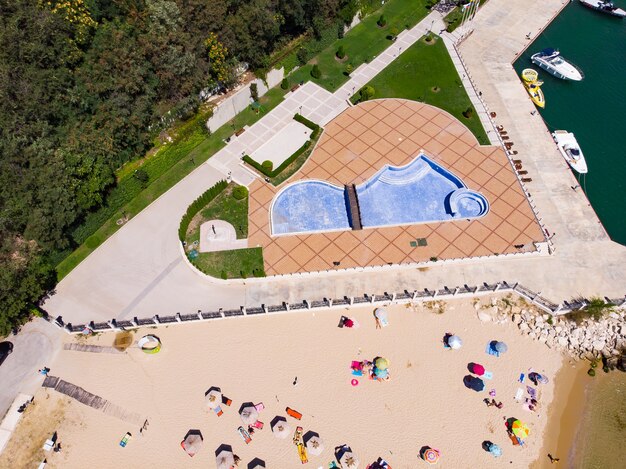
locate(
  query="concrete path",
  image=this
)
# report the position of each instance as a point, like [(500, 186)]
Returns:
[(34, 347), (140, 272), (219, 235)]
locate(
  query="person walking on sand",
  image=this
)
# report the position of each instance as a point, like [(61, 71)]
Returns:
[(553, 459)]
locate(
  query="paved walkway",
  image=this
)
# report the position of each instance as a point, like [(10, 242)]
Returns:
[(219, 235), (139, 270)]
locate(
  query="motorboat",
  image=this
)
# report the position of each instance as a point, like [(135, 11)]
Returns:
[(604, 7), (553, 62), (569, 148), (533, 87)]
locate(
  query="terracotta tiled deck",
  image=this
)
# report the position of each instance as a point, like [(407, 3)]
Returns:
[(358, 143)]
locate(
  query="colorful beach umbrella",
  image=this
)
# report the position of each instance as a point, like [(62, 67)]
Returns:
[(381, 363), (249, 415), (348, 460), (477, 369), (213, 398), (495, 450), (455, 342), (225, 459), (431, 456), (315, 445), (520, 429), (281, 429), (501, 347)]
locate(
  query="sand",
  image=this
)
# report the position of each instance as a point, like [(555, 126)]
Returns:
[(257, 359)]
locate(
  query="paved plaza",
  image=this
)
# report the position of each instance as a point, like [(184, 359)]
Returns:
[(357, 144), (140, 270)]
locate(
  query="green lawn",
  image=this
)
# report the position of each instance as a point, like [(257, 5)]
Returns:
[(425, 72), (223, 207), (190, 156), (239, 263), (362, 43)]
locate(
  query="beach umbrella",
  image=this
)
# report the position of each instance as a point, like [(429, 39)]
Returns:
[(501, 347), (248, 414), (281, 429), (474, 383), (192, 443), (213, 398), (381, 363), (315, 445), (477, 369), (520, 429), (495, 450), (382, 374), (348, 460), (431, 456), (455, 342), (225, 459)]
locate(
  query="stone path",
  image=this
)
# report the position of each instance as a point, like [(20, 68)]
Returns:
[(219, 235)]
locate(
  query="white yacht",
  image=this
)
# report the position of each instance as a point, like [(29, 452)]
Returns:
[(569, 148), (604, 6), (552, 62)]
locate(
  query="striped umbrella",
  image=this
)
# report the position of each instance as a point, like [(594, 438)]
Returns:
[(431, 456), (520, 429)]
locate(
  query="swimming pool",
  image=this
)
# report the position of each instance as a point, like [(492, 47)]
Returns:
[(309, 206), (420, 192)]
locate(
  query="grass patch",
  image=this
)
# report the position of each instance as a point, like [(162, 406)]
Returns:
[(223, 207), (362, 43), (420, 70), (239, 263), (177, 161)]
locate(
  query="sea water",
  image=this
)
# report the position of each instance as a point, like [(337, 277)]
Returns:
[(593, 109)]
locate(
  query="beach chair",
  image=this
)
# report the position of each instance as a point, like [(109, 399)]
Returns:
[(297, 436), (218, 411), (125, 439), (293, 413), (244, 434), (302, 453), (226, 401)]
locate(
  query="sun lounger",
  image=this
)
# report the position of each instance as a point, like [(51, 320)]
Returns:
[(218, 411), (226, 401), (244, 434), (302, 453), (293, 413), (519, 394), (48, 445), (258, 424), (125, 439), (297, 436)]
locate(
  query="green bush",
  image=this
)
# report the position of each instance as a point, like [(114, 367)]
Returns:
[(240, 192), (197, 205), (284, 84), (382, 21), (366, 93), (316, 72), (468, 113), (591, 372), (341, 53), (268, 166), (393, 32), (224, 275), (142, 176), (254, 92), (302, 55), (340, 30), (349, 69)]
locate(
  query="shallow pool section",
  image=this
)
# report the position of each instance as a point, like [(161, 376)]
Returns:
[(419, 192), (309, 206)]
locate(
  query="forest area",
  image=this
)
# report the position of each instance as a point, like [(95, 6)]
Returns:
[(84, 88)]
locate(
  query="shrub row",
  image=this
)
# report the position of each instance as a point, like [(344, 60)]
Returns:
[(267, 169), (198, 205)]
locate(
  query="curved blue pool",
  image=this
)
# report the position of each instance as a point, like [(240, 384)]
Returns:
[(309, 206), (420, 192)]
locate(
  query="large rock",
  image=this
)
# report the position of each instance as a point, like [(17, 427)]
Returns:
[(484, 316), (524, 327), (598, 345), (563, 341)]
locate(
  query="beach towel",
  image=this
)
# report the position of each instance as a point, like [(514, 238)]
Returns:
[(532, 392), (259, 407), (519, 394), (356, 365), (357, 372), (521, 377), (488, 375), (492, 393), (491, 351)]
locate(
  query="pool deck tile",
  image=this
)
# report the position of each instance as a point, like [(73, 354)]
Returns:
[(358, 143)]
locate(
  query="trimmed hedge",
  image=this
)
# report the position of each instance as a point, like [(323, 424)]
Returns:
[(198, 205), (273, 173)]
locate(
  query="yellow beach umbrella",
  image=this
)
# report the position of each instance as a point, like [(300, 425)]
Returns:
[(381, 363), (520, 429)]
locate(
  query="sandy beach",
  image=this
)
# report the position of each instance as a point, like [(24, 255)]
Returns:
[(256, 359)]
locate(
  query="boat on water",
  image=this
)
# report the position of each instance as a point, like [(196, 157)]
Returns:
[(604, 7), (553, 62), (533, 87), (569, 148)]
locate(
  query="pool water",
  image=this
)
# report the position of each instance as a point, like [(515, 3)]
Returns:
[(309, 206), (420, 192)]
